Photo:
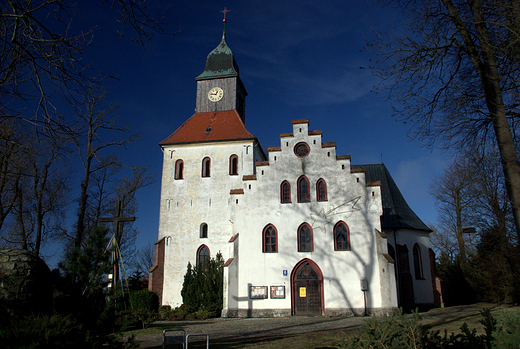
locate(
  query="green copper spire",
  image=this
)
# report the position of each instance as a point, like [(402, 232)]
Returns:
[(220, 62)]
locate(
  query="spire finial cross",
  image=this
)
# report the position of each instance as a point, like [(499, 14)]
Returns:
[(224, 11)]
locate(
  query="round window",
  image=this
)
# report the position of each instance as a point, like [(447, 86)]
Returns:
[(301, 149)]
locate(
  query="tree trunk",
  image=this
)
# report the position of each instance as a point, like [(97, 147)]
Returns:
[(490, 78), (460, 237), (482, 56)]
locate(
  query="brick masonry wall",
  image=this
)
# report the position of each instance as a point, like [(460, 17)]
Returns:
[(156, 276)]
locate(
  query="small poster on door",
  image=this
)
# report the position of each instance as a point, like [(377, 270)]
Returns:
[(277, 291), (303, 292)]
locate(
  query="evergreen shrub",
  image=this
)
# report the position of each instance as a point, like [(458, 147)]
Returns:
[(144, 299), (202, 288)]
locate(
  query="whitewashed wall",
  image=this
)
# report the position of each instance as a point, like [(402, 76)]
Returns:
[(188, 202), (342, 270), (423, 291)]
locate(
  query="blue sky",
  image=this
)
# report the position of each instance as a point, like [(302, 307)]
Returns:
[(297, 59)]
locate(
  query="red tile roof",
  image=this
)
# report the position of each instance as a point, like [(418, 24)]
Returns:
[(343, 157), (210, 127), (228, 262), (328, 145)]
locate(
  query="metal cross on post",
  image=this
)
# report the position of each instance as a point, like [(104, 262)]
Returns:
[(224, 11), (116, 236)]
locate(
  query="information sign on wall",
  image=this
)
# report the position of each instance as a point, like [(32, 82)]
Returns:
[(258, 292), (277, 291), (303, 292)]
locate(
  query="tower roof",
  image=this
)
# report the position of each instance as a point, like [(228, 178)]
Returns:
[(396, 212), (220, 62), (210, 127)]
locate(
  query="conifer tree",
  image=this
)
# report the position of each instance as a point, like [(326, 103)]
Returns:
[(203, 286)]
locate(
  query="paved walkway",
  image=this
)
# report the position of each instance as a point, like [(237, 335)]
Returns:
[(221, 329)]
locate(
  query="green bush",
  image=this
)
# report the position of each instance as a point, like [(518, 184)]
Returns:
[(398, 331), (144, 299), (401, 331), (201, 314), (507, 334), (56, 331), (145, 316)]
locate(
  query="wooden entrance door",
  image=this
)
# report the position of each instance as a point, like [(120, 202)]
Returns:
[(307, 293)]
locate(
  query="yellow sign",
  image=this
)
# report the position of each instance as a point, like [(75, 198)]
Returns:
[(303, 292)]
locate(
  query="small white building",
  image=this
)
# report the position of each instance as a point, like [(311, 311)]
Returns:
[(302, 231)]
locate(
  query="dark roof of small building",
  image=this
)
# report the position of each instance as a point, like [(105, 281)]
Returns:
[(220, 62), (396, 212), (210, 127)]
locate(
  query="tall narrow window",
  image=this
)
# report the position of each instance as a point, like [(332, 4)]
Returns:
[(203, 230), (417, 262), (179, 168), (270, 239), (303, 189), (321, 190), (285, 192), (305, 243), (233, 165), (203, 256), (341, 237), (206, 164)]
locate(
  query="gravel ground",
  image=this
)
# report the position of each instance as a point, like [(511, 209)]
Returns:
[(227, 329)]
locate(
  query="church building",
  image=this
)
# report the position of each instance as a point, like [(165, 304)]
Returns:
[(301, 229)]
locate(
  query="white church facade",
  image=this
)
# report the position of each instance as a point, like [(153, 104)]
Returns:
[(302, 231)]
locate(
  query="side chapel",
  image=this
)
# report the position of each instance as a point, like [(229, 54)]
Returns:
[(302, 231)]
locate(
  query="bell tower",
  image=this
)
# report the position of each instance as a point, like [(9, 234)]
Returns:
[(219, 87)]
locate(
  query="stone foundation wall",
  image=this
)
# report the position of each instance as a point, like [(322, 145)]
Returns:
[(244, 313)]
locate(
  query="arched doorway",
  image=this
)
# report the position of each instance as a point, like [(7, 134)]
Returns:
[(307, 289)]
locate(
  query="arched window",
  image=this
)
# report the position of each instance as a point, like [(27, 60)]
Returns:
[(341, 237), (321, 190), (305, 243), (270, 239), (233, 165), (179, 168), (417, 262), (285, 192), (206, 164), (203, 257), (203, 230), (303, 190)]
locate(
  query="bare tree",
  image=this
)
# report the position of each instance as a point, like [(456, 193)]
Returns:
[(125, 192), (492, 204), (10, 162), (455, 195), (455, 71), (444, 242), (143, 260), (38, 188), (94, 138), (40, 51)]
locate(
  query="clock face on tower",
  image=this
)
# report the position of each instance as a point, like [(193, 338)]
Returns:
[(215, 94)]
